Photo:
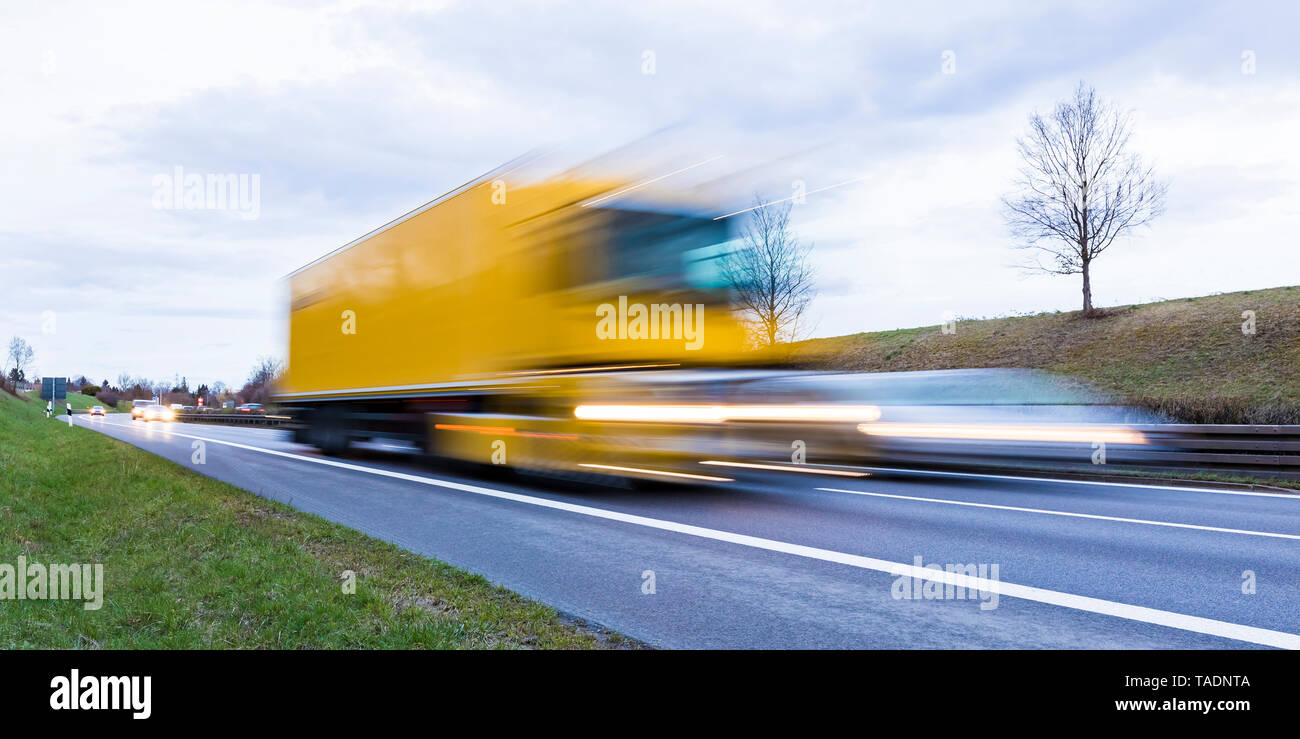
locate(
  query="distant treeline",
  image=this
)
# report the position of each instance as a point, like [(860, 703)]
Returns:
[(258, 388)]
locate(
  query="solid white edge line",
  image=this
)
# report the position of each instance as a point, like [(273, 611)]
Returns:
[(1197, 624), (1071, 514)]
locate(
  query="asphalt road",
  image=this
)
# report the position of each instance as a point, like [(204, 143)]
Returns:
[(787, 560)]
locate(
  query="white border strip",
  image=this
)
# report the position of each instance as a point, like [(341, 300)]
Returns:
[(1197, 624)]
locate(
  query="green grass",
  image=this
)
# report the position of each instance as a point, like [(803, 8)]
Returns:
[(190, 562), (1198, 476), (79, 402), (1188, 357)]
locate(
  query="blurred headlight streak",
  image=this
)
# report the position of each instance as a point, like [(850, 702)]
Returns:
[(651, 413), (724, 413), (1082, 434)]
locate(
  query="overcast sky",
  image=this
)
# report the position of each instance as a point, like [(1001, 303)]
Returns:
[(351, 113)]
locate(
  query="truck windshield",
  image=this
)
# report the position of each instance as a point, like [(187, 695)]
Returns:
[(676, 249)]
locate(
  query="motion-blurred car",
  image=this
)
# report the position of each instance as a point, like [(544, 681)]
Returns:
[(97, 410), (159, 413), (669, 423), (138, 408), (251, 408), (993, 417)]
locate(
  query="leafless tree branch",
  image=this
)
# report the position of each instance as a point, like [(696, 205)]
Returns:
[(1079, 188), (771, 275)]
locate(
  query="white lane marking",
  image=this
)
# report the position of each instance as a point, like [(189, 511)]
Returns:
[(642, 471), (1173, 488), (1197, 624), (1071, 514)]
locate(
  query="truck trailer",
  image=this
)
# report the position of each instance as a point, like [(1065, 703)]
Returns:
[(477, 324)]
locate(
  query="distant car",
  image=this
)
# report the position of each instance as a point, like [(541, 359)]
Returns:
[(97, 410), (159, 413), (251, 408)]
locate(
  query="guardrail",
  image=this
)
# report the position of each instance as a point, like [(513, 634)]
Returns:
[(1255, 451), (233, 419), (1221, 444)]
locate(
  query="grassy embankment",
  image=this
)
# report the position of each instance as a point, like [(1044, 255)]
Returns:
[(1186, 357), (190, 562), (79, 402)]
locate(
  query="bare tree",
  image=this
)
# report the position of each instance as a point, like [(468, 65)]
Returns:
[(261, 381), (770, 274), (265, 371), (1079, 188), (18, 357)]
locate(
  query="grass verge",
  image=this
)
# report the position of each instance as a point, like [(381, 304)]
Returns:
[(79, 402), (190, 562)]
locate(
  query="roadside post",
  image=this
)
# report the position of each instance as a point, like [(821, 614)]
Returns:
[(52, 389)]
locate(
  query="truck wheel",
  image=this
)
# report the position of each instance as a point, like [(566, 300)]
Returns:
[(330, 430)]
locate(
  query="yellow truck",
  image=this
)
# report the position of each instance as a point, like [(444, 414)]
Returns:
[(477, 324)]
